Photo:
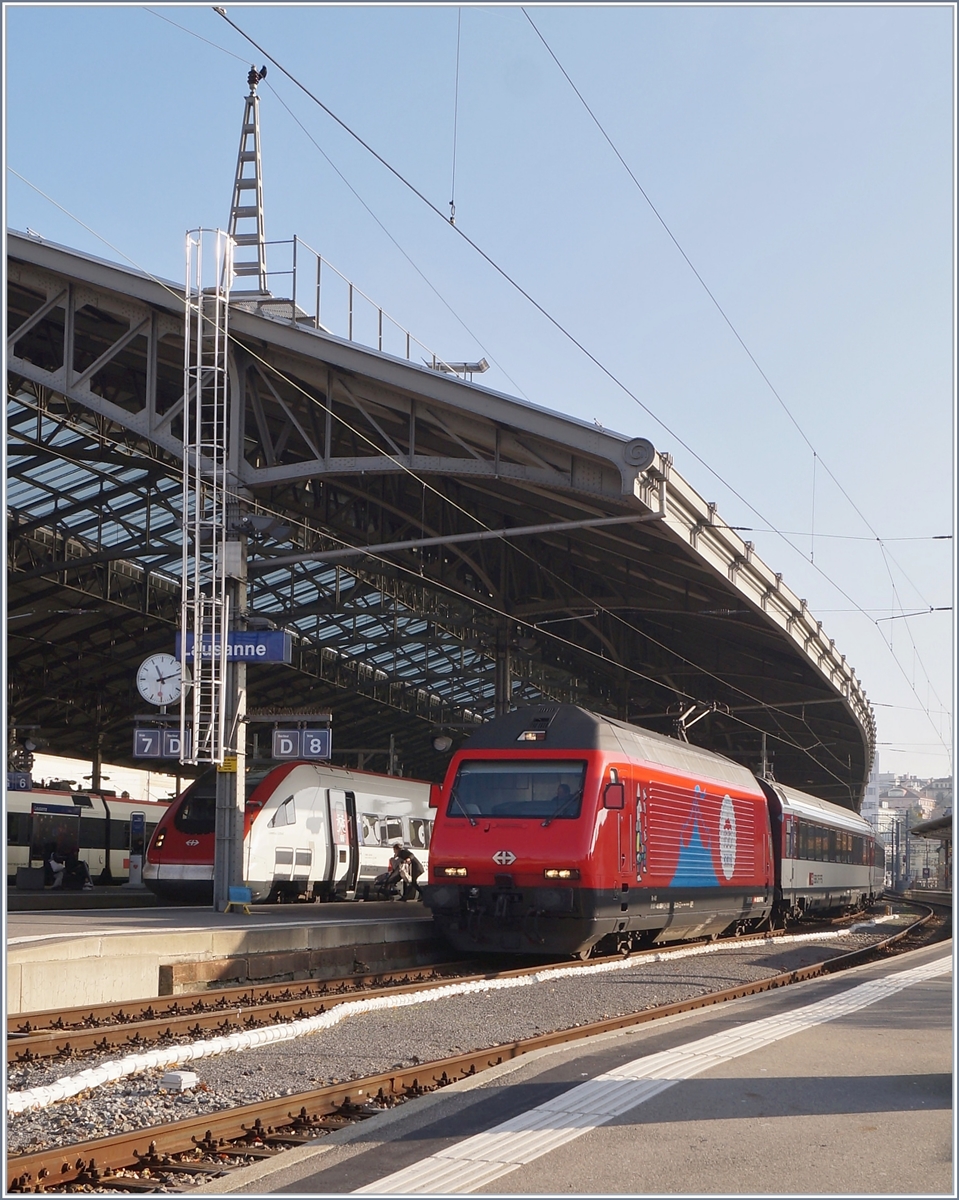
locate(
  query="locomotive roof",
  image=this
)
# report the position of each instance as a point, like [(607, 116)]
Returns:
[(569, 727)]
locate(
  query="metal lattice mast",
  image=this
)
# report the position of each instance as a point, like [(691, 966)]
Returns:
[(247, 204), (205, 604)]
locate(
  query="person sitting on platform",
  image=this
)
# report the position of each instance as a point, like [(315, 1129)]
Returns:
[(76, 877)]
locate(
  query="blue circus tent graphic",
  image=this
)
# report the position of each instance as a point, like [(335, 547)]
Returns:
[(695, 866)]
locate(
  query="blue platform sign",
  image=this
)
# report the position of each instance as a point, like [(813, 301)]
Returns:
[(171, 743), (301, 743), (251, 646), (155, 742), (147, 743), (19, 781)]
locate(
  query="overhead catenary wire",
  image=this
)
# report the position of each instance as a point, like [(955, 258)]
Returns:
[(456, 107), (436, 292), (674, 690), (244, 60), (447, 499), (574, 340), (749, 353)]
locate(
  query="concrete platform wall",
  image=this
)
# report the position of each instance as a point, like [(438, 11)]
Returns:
[(54, 973)]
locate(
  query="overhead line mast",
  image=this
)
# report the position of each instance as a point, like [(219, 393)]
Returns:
[(247, 204)]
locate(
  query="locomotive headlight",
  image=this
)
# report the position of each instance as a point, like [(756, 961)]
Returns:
[(561, 873), (460, 872), (159, 839)]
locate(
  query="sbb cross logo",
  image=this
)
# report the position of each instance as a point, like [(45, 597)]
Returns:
[(504, 857)]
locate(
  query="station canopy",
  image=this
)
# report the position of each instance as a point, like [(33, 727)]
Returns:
[(666, 618)]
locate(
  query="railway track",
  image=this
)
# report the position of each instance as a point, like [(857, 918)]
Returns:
[(178, 1156), (73, 1033)]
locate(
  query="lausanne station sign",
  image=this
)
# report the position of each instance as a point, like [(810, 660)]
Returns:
[(252, 646)]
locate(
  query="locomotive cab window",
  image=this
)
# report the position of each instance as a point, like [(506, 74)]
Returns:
[(517, 788), (285, 814), (197, 813)]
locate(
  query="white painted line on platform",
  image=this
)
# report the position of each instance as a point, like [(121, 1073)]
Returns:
[(239, 923), (487, 1156)]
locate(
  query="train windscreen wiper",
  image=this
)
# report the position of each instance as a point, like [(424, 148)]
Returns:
[(454, 799), (566, 803)]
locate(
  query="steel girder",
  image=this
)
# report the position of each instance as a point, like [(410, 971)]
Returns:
[(347, 446)]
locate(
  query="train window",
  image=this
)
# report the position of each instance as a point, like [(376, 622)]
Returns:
[(197, 811), (517, 788), (285, 814), (54, 831), (368, 834), (18, 829), (92, 833), (419, 834), (391, 830)]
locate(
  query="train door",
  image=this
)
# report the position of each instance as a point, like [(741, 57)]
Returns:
[(614, 798), (340, 841), (641, 840), (353, 873)]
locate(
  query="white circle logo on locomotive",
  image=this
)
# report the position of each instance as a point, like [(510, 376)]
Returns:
[(727, 837)]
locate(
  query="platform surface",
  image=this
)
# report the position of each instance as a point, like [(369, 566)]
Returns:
[(72, 957), (857, 1105), (24, 928)]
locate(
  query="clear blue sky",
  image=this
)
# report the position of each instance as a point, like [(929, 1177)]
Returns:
[(801, 156)]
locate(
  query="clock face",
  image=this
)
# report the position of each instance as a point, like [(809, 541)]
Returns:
[(158, 679)]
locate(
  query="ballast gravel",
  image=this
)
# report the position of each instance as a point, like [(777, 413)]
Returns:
[(372, 1043)]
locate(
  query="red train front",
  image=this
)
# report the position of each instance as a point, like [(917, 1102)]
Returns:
[(558, 829)]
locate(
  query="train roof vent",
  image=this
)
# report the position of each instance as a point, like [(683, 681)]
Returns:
[(536, 728)]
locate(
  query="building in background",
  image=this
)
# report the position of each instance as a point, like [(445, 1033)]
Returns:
[(893, 805)]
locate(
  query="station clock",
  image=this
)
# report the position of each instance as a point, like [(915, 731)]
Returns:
[(158, 679)]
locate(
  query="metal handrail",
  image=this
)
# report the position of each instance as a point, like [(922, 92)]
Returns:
[(384, 319)]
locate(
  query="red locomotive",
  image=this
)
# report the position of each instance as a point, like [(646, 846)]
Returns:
[(559, 829)]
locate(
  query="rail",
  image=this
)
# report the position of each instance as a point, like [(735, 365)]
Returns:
[(259, 1130)]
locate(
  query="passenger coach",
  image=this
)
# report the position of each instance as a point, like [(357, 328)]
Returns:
[(827, 857)]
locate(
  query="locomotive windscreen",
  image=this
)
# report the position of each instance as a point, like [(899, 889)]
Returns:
[(513, 788)]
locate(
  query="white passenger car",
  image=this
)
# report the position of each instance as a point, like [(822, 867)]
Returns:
[(826, 854)]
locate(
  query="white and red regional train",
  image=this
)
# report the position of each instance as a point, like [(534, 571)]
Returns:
[(312, 831), (93, 826), (558, 829)]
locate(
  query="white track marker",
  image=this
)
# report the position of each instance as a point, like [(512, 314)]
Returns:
[(479, 1160)]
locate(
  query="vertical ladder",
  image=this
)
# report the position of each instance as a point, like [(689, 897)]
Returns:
[(247, 204), (204, 599)]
